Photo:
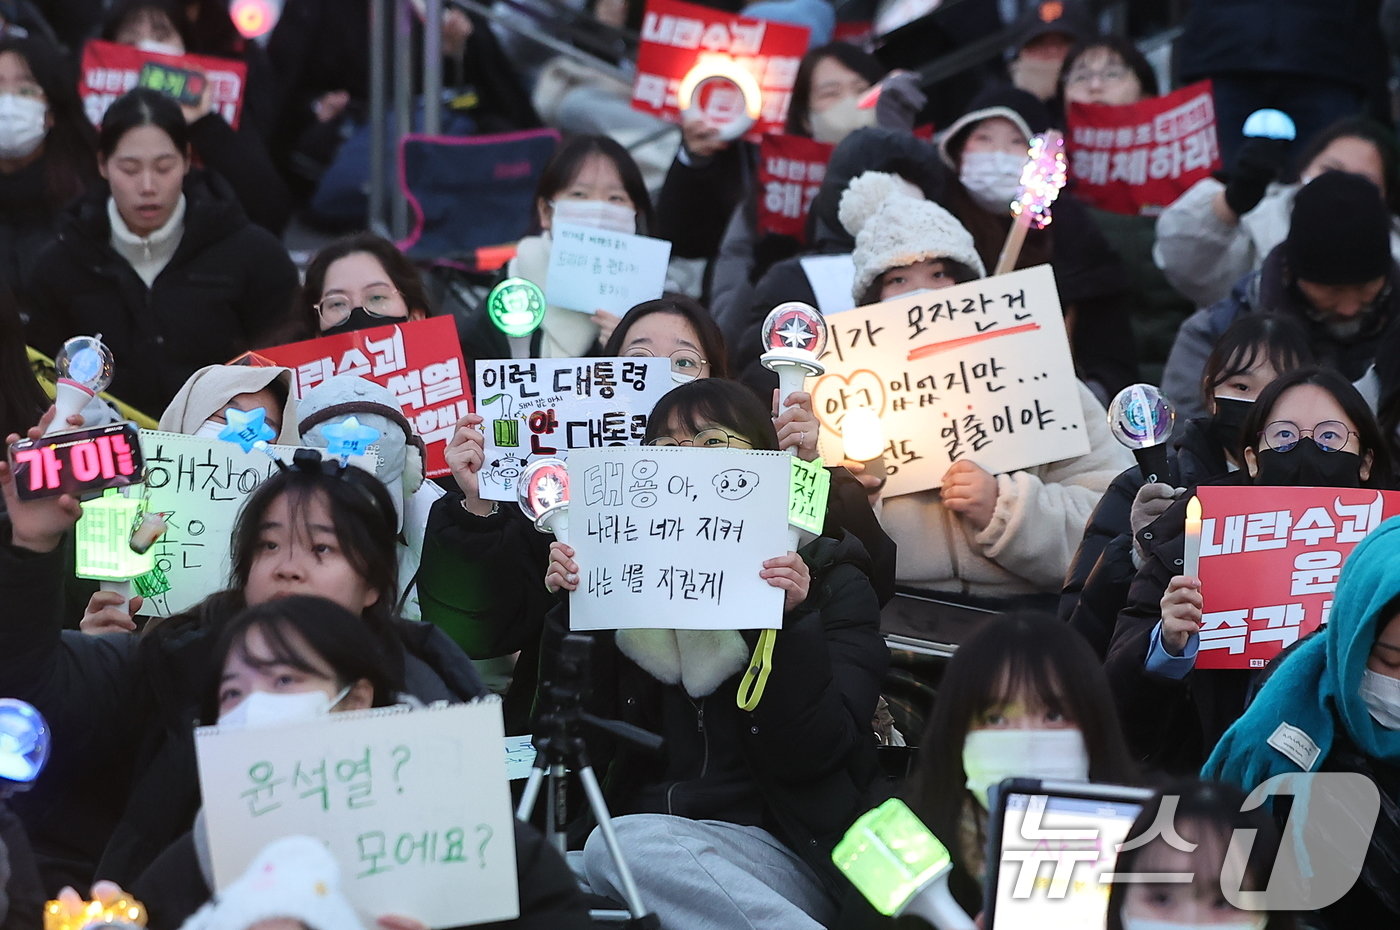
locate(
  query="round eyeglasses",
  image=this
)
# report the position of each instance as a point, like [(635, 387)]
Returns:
[(376, 302), (712, 438), (1329, 435), (683, 361)]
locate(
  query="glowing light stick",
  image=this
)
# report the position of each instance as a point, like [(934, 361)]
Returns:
[(349, 437), (84, 368), (1191, 562), (794, 337), (516, 307), (249, 430), (543, 493), (1042, 178), (1141, 418), (24, 743), (715, 75), (900, 867)]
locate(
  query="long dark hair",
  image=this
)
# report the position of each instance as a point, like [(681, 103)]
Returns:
[(403, 274), (568, 162), (1367, 130), (1251, 339), (142, 107), (1207, 814), (70, 167), (22, 400), (1013, 654), (846, 55), (333, 634), (708, 402), (688, 309), (1368, 431)]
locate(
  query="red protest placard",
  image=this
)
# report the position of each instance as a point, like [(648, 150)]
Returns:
[(1137, 159), (420, 362), (677, 37), (1270, 558), (790, 172), (110, 70)]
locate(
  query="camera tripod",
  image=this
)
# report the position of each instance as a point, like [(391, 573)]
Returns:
[(560, 748)]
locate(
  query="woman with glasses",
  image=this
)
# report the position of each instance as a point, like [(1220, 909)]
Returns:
[(1308, 428), (360, 282), (161, 260)]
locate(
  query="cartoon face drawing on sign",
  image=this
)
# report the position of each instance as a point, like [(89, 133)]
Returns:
[(734, 484), (504, 469)]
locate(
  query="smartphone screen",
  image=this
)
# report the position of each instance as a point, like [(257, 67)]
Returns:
[(183, 84)]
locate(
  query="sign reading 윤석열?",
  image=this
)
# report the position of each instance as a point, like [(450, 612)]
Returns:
[(597, 269), (674, 537), (980, 371), (547, 406), (1270, 560), (413, 805)]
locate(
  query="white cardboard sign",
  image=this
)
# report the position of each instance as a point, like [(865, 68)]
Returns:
[(413, 805), (546, 406), (674, 537), (598, 269), (981, 371)]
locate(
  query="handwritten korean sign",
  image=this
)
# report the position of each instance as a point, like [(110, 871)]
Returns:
[(545, 407), (676, 36), (110, 69), (980, 371), (597, 269), (414, 805), (198, 486), (674, 537), (419, 362), (1270, 559), (1139, 158), (790, 172), (811, 485)]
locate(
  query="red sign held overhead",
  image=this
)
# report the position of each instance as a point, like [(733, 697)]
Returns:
[(110, 70), (1137, 159), (1270, 560), (790, 172), (682, 44)]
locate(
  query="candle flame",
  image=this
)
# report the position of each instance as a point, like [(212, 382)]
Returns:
[(1193, 510)]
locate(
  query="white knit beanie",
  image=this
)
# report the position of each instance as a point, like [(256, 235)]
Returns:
[(294, 877), (894, 226)]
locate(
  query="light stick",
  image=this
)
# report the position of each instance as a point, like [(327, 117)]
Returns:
[(516, 307), (84, 368), (1141, 418), (1042, 178), (794, 337), (1191, 562), (543, 493)]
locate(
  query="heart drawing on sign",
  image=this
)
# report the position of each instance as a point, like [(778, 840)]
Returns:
[(834, 394)]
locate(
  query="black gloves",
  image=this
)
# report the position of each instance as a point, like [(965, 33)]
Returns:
[(1260, 161)]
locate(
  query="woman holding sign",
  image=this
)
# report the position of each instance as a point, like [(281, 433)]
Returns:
[(1309, 428), (734, 826)]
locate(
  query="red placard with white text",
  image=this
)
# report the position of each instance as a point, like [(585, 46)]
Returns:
[(1270, 559), (1137, 159), (419, 362), (110, 69), (790, 172), (676, 37)]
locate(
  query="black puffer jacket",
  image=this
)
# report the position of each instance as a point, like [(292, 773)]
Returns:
[(801, 764), (121, 784), (227, 288)]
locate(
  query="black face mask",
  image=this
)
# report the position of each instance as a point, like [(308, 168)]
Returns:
[(1226, 425), (1306, 465), (359, 318)]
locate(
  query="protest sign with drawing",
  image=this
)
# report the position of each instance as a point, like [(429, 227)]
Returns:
[(674, 537), (110, 69), (413, 804), (547, 406), (420, 362), (1270, 559), (598, 269), (1139, 158), (980, 371), (684, 39)]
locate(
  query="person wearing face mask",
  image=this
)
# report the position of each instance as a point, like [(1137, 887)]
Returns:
[(1252, 352), (1334, 274), (1208, 816), (1308, 428), (986, 148), (1022, 697), (359, 282), (198, 407), (1339, 691)]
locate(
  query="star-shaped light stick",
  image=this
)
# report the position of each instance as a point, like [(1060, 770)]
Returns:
[(249, 430), (349, 437)]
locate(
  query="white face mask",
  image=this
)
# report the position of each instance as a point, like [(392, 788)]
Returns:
[(159, 48), (1382, 696), (839, 120), (210, 429), (596, 214), (267, 708), (992, 178), (992, 756), (21, 125), (1255, 921)]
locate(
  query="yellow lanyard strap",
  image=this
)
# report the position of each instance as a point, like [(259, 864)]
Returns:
[(756, 678)]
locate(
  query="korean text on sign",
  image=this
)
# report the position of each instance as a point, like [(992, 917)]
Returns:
[(110, 69), (1137, 159), (790, 172), (676, 37), (980, 371), (1270, 560), (547, 406), (408, 803), (597, 269), (674, 537), (420, 362)]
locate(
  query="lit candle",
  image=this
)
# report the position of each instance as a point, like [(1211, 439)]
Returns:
[(863, 439), (1191, 564)]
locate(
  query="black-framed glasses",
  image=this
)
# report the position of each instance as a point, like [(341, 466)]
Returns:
[(683, 361), (712, 438), (1329, 435), (376, 301), (1108, 75)]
